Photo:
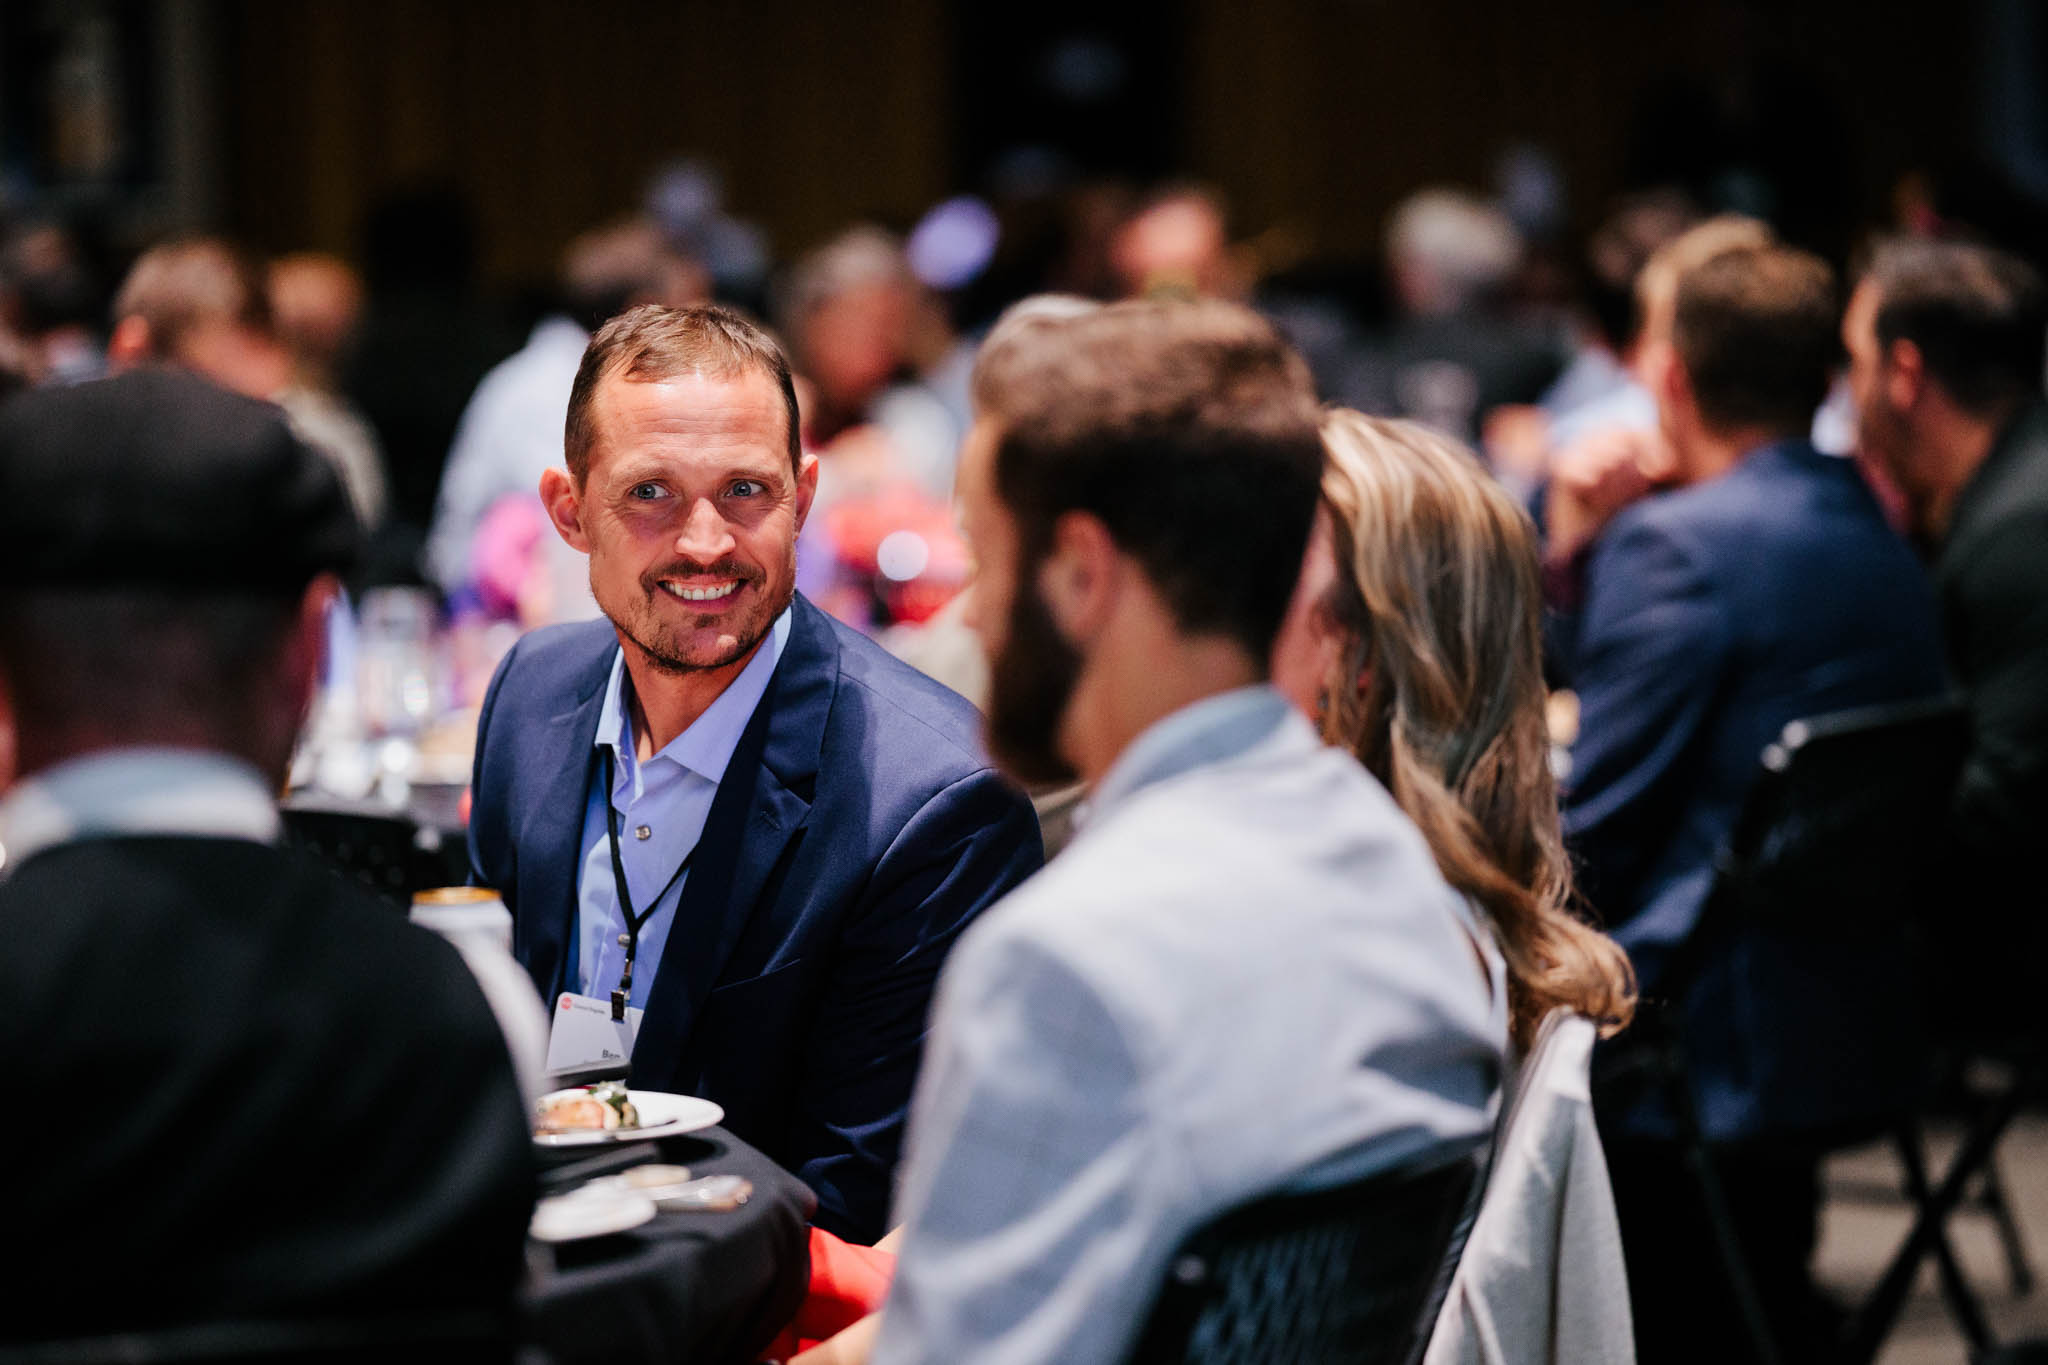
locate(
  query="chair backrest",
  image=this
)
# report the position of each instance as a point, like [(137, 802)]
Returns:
[(1347, 1274), (1843, 829), (1848, 816), (1542, 1274), (390, 856)]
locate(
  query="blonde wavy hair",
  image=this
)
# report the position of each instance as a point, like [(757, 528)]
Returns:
[(1437, 687)]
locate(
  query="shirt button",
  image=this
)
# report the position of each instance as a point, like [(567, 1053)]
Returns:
[(643, 833), (625, 941)]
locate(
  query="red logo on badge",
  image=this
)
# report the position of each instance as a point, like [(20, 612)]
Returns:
[(566, 1001)]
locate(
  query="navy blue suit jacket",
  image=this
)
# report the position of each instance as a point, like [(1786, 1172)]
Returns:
[(1713, 616), (857, 831)]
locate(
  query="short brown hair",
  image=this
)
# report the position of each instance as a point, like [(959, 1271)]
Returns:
[(179, 285), (1755, 331), (653, 342), (1015, 344), (1979, 317), (1189, 430)]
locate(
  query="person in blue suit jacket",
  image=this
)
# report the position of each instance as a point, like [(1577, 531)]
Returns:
[(1765, 588), (719, 806)]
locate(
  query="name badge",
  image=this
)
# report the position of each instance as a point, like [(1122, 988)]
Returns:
[(585, 1034)]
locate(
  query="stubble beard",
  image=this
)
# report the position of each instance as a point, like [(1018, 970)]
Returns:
[(1031, 681), (663, 644)]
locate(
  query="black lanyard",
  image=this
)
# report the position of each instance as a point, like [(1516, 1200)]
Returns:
[(631, 938)]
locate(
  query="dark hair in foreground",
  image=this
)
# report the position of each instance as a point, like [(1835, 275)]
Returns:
[(1979, 317), (654, 343), (1189, 430), (144, 662), (1439, 692), (1756, 332)]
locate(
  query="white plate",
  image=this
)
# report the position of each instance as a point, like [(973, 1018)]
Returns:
[(588, 1213), (661, 1115)]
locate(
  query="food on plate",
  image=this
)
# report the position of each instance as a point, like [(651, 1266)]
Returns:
[(591, 1108)]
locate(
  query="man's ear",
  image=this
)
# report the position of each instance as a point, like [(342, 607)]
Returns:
[(1905, 375), (559, 494), (1669, 381), (1080, 577), (806, 487), (129, 345), (306, 646)]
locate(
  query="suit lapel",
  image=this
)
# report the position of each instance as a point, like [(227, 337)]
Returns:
[(550, 844), (762, 803)]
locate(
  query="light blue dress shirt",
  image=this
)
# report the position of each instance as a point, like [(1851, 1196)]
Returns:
[(1244, 974), (662, 805)]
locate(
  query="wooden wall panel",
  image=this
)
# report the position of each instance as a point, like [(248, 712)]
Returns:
[(549, 115)]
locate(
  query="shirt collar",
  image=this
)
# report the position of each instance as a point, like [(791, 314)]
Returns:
[(706, 747), (1207, 731), (137, 791)]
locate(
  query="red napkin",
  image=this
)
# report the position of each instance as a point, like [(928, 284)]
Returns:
[(848, 1282)]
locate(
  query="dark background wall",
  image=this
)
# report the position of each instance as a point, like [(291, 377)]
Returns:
[(1312, 116)]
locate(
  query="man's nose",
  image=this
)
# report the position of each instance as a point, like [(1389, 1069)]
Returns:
[(704, 535)]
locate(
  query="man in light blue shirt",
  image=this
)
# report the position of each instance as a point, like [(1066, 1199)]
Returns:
[(786, 827), (661, 804), (1245, 973)]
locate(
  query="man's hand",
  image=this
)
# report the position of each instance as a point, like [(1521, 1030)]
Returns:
[(1595, 477)]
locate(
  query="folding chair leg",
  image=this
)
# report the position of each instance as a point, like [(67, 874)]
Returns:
[(1735, 1266), (1747, 1301), (1874, 1321), (2018, 1268), (1955, 1288)]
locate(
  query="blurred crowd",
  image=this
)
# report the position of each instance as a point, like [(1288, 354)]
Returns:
[(1759, 486), (440, 404)]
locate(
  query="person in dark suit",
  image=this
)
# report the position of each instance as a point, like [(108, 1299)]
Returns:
[(718, 806), (1945, 346), (244, 1092), (1764, 588)]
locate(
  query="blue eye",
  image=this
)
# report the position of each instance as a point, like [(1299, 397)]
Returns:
[(645, 492), (746, 488)]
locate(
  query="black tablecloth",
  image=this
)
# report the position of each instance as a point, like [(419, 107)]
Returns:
[(697, 1287)]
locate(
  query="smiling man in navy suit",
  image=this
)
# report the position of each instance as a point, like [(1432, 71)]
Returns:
[(720, 807)]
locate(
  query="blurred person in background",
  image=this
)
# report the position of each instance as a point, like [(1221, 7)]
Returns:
[(1599, 391), (1452, 355), (1414, 643), (426, 339), (316, 305), (203, 305), (58, 304), (886, 441), (1616, 456), (307, 1111), (1602, 386), (511, 432), (1945, 345), (1140, 510), (1177, 245), (847, 310), (1763, 588)]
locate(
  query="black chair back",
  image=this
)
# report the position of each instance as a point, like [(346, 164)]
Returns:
[(390, 856), (1344, 1275), (1847, 820)]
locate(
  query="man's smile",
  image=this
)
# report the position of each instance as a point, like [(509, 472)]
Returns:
[(701, 592)]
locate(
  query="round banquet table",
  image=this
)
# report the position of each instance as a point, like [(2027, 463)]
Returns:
[(696, 1287)]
